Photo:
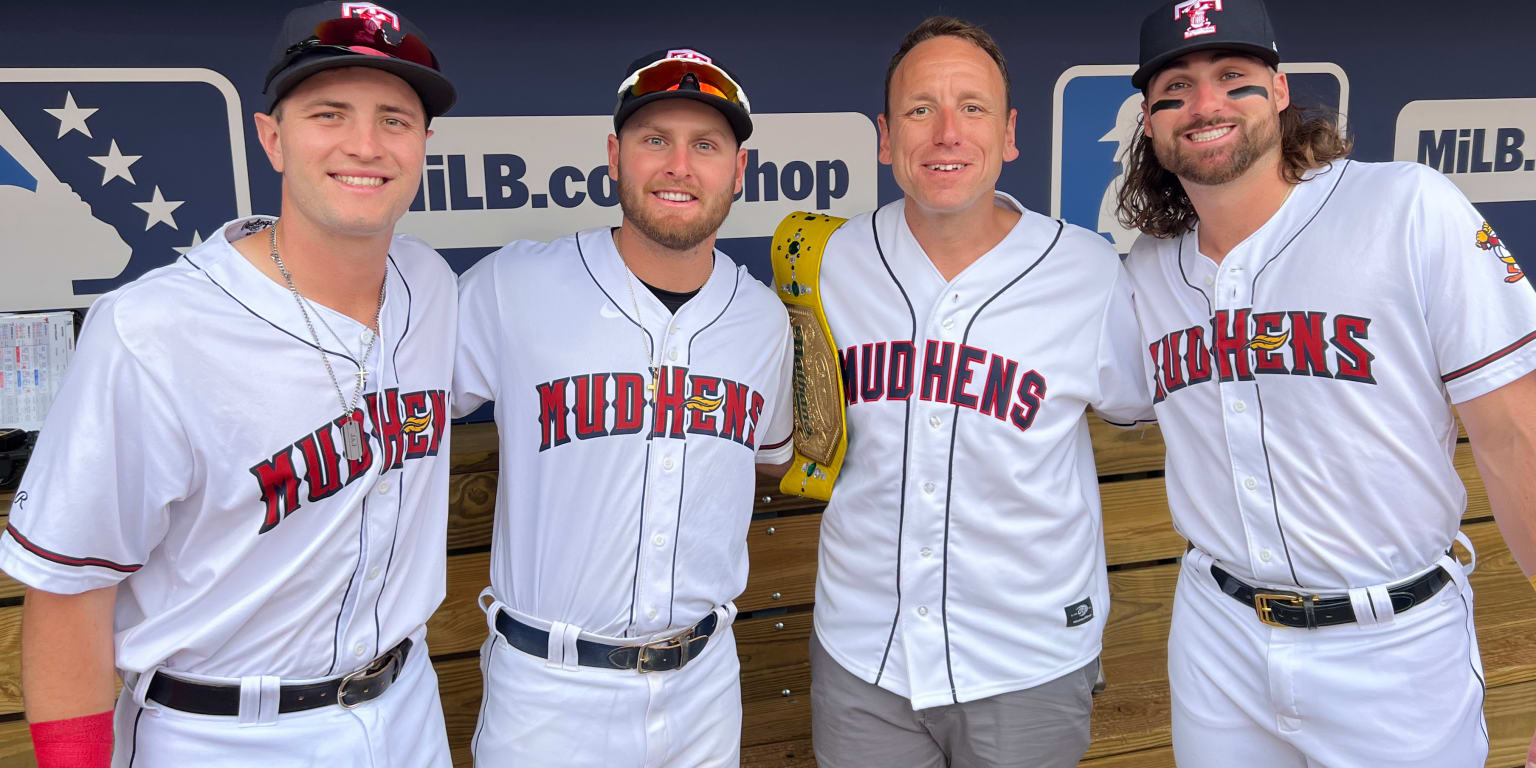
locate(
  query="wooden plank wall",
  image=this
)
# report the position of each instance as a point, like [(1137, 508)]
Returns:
[(1130, 726)]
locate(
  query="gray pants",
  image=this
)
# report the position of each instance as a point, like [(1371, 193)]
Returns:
[(855, 724)]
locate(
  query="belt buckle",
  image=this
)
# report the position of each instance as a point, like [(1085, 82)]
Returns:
[(683, 642), (376, 667), (676, 641), (1262, 603)]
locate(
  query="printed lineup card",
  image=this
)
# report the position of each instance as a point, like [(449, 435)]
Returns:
[(34, 352)]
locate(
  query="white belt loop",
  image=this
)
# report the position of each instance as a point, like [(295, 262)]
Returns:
[(140, 687), (1455, 568), (1201, 560), (258, 700), (1362, 601), (1466, 542), (562, 645), (490, 609)]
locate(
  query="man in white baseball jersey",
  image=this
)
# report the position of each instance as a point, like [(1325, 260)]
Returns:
[(1310, 320), (239, 498), (961, 594), (638, 374)]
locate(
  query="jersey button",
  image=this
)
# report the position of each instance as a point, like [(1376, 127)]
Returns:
[(365, 336), (949, 322), (1265, 555), (926, 552), (359, 649), (1210, 280), (935, 422), (672, 354), (1239, 406), (667, 463), (659, 540), (383, 487), (1250, 483), (373, 573), (928, 487), (650, 613), (922, 610)]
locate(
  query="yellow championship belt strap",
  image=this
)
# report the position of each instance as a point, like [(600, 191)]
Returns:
[(821, 424)]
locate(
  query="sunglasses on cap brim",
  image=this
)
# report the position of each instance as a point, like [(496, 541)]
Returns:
[(669, 74), (367, 37)]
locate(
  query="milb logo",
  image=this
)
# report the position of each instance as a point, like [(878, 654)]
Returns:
[(1096, 113), (107, 173), (446, 184), (1480, 144), (493, 179)]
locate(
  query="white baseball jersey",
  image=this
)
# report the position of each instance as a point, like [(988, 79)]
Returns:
[(620, 511), (962, 554), (194, 458), (1303, 383)]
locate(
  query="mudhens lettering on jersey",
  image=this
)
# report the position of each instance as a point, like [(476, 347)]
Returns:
[(409, 426), (1240, 344), (594, 405), (946, 373)]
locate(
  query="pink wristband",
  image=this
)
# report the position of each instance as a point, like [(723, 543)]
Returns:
[(77, 742)]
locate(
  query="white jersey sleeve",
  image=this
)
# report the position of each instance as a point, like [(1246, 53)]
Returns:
[(480, 331), (777, 445), (111, 459), (1478, 303), (1125, 391)]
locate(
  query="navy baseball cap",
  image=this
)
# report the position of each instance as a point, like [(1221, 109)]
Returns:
[(683, 73), (1185, 26), (315, 38)]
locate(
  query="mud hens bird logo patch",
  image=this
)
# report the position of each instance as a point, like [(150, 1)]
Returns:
[(1488, 240)]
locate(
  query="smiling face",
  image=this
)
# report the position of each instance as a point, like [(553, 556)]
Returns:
[(1208, 122), (677, 165), (949, 130), (350, 144)]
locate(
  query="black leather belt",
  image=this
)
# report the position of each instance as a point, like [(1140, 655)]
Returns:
[(1279, 608), (668, 653), (349, 691)]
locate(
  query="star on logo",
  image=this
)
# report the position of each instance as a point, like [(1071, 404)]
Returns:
[(71, 117), (114, 164), (159, 210)]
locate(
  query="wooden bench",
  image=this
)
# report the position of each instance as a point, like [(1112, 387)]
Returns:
[(1130, 726)]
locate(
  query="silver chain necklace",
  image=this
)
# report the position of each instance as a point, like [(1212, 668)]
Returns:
[(650, 354), (351, 432)]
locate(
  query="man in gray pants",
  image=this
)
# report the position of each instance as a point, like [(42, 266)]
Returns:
[(961, 593)]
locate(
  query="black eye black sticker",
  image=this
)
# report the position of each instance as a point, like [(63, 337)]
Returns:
[(1158, 106), (1248, 90)]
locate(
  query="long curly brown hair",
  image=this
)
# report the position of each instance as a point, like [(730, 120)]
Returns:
[(1153, 200)]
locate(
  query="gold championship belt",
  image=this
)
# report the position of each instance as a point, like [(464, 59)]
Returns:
[(821, 427)]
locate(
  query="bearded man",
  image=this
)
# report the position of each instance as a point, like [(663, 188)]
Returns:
[(1311, 321), (638, 375)]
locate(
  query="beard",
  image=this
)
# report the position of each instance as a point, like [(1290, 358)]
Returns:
[(1206, 167), (672, 230)]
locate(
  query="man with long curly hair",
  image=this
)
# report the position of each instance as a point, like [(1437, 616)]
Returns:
[(1310, 320)]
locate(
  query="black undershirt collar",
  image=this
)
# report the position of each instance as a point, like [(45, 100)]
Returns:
[(671, 299)]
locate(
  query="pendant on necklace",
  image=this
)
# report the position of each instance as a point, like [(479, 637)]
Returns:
[(651, 385), (352, 437)]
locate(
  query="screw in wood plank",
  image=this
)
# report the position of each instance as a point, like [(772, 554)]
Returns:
[(778, 626), (769, 531), (784, 693), (775, 595), (766, 499)]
